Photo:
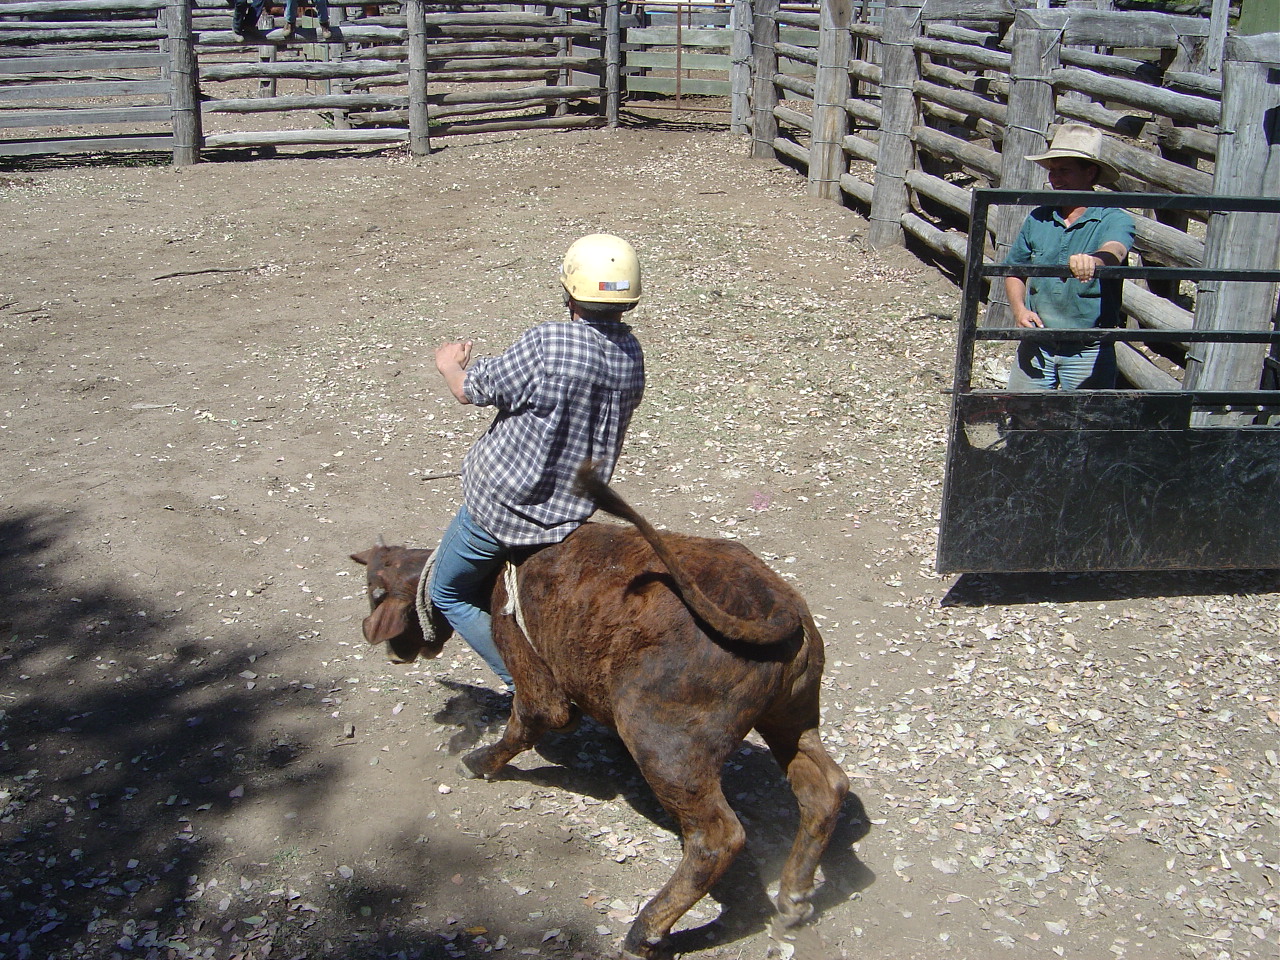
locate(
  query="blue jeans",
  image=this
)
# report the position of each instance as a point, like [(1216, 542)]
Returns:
[(1041, 366), (467, 561), (291, 10), (246, 15)]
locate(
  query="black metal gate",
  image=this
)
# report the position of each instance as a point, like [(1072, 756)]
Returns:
[(1091, 480)]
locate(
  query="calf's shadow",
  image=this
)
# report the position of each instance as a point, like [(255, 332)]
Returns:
[(593, 761)]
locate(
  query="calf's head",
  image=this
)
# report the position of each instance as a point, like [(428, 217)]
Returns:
[(392, 574)]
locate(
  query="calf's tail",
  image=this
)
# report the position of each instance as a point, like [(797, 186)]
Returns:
[(782, 622)]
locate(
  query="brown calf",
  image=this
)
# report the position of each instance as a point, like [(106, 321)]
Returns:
[(682, 645)]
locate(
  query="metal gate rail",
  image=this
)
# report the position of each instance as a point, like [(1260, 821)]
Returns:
[(1091, 480)]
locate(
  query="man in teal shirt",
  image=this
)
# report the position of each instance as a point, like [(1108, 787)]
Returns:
[(1082, 239)]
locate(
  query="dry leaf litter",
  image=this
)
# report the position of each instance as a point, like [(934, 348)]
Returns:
[(202, 759)]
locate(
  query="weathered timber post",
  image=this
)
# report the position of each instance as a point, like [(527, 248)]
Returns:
[(1248, 164), (764, 65), (899, 114), (1217, 41), (419, 119), (1079, 5), (612, 61), (740, 68), (184, 75), (337, 51), (830, 94), (564, 48), (1031, 109)]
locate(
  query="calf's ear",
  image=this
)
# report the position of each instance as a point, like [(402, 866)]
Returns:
[(364, 557), (390, 619)]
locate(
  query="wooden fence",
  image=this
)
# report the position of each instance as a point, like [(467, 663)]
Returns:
[(687, 48), (900, 108), (59, 62), (405, 75)]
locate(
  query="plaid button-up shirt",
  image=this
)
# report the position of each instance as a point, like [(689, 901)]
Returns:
[(565, 392)]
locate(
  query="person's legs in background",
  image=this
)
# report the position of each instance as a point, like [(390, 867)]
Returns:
[(291, 18), (1033, 369), (1093, 368), (322, 14), (245, 16)]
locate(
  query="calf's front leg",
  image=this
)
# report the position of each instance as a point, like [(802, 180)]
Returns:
[(523, 730)]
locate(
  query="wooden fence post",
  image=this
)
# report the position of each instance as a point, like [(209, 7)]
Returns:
[(740, 68), (1030, 111), (612, 61), (184, 75), (899, 114), (830, 94), (764, 65), (1218, 16), (1248, 164), (564, 48), (419, 118)]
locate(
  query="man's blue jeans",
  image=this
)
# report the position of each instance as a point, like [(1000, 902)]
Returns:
[(291, 11), (1041, 366), (466, 563)]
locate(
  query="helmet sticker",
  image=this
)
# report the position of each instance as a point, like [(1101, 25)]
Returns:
[(615, 284)]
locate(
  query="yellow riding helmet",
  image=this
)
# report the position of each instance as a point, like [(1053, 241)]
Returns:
[(601, 268)]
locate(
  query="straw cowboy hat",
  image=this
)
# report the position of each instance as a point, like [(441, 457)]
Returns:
[(1083, 143)]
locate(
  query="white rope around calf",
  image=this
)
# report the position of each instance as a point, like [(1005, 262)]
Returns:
[(422, 601), (510, 576)]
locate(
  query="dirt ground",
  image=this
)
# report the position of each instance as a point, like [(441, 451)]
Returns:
[(219, 384)]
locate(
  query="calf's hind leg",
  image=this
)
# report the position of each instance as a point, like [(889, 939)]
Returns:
[(820, 787), (687, 783)]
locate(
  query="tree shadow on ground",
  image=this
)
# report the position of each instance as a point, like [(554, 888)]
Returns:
[(80, 161), (666, 113), (129, 746), (592, 761), (983, 589)]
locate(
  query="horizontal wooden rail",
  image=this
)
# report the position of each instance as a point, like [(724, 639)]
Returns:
[(512, 63), (794, 118), (328, 137), (300, 70), (935, 188), (668, 61), (689, 36), (343, 33), (1180, 106), (60, 34), (84, 89), (82, 63), (335, 101), (77, 117), (985, 161), (993, 59), (799, 54), (25, 147), (502, 126), (26, 8), (794, 85)]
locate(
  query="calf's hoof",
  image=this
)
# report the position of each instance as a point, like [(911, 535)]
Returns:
[(792, 913), (475, 767), (639, 948), (465, 771)]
